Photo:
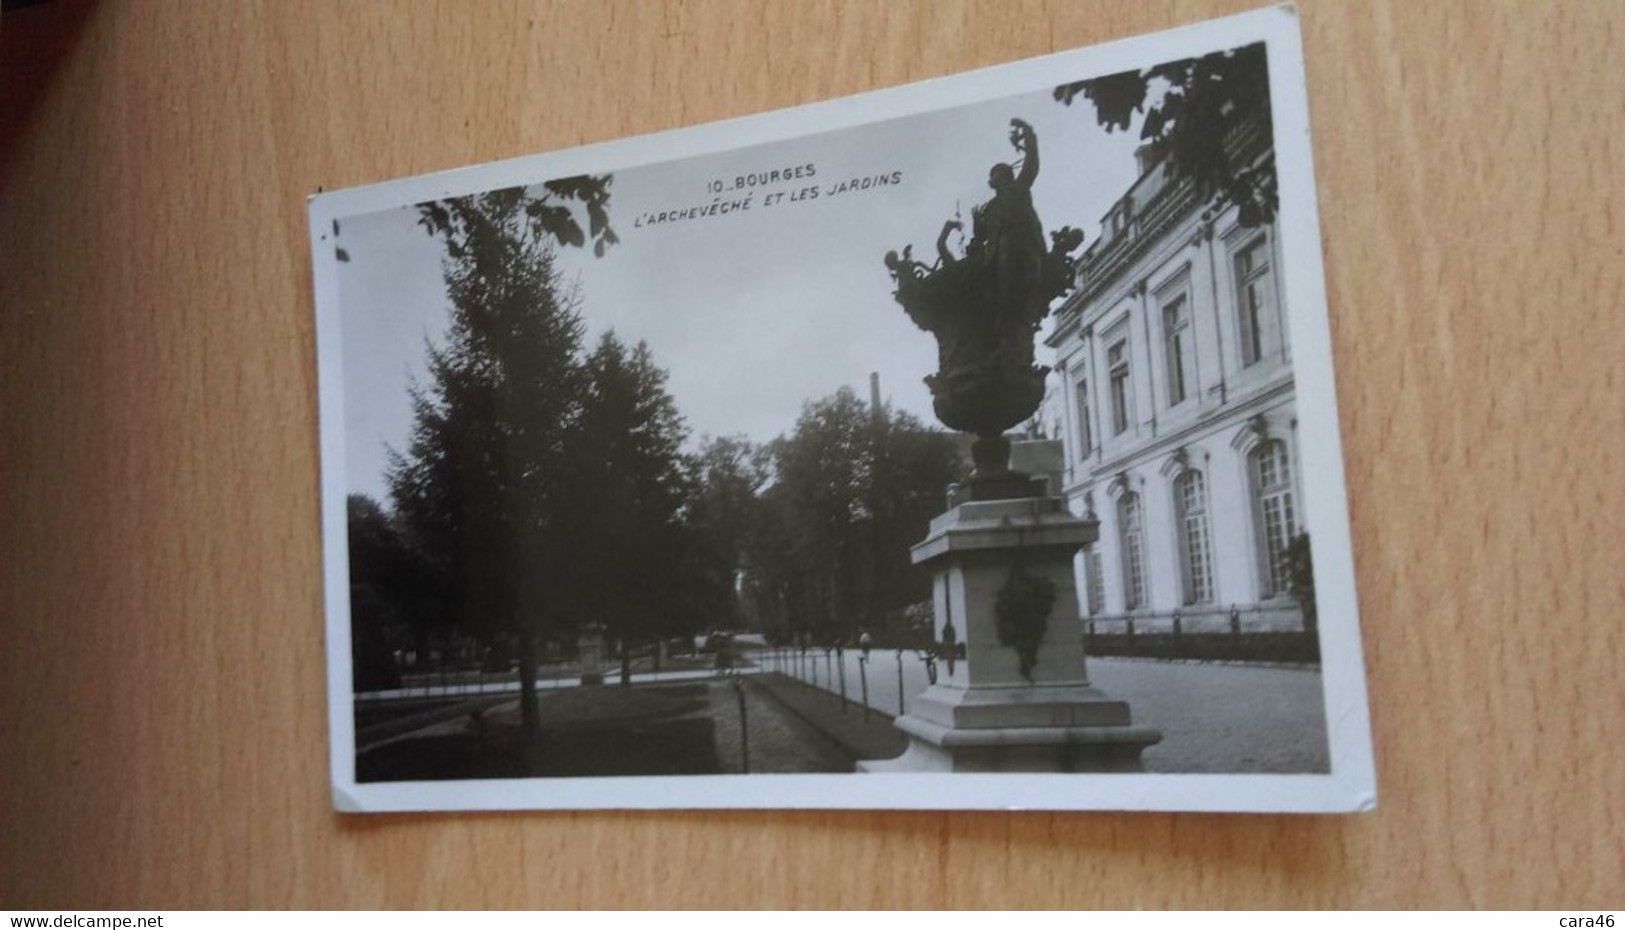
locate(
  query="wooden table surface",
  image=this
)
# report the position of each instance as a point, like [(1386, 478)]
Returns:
[(162, 707)]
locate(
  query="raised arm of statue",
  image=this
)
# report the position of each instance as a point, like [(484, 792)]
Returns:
[(1027, 141), (943, 255)]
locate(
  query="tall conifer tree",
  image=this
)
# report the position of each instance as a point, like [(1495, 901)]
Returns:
[(479, 487), (631, 494)]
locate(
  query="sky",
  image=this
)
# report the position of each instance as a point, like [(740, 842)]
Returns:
[(755, 312)]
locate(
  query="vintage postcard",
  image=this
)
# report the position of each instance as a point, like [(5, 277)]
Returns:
[(970, 444)]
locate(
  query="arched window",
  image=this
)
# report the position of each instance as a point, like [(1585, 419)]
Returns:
[(1131, 536), (1094, 577), (1190, 502), (1277, 520)]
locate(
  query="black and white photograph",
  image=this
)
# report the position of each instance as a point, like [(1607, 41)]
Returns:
[(971, 444)]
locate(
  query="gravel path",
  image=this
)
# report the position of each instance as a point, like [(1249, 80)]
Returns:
[(780, 742), (1214, 718)]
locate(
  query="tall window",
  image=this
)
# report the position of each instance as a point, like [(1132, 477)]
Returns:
[(1178, 358), (1086, 438), (1095, 578), (1190, 496), (1272, 490), (1117, 364), (1255, 304), (1132, 536)]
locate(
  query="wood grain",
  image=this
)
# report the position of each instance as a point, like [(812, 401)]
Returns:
[(162, 716)]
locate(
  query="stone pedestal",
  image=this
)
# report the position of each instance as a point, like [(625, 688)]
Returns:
[(984, 714)]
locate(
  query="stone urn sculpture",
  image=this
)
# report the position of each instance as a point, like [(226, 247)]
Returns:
[(984, 308), (1001, 557)]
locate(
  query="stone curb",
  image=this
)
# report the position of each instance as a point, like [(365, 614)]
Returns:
[(877, 739)]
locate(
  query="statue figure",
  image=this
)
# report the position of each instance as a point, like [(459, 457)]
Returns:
[(984, 308), (1007, 234)]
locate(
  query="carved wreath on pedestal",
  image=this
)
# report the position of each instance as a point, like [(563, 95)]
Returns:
[(1022, 609)]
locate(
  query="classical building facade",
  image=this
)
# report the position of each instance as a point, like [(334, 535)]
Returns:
[(1173, 395)]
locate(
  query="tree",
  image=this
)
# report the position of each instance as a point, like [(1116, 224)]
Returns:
[(1197, 106), (855, 489), (725, 516), (630, 495), (824, 469), (772, 582), (1300, 580), (550, 209), (480, 487), (381, 605), (912, 468), (545, 213)]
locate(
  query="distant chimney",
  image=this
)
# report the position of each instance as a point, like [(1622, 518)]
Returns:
[(874, 394)]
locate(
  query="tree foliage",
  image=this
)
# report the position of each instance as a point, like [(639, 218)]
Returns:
[(854, 489), (1193, 108), (552, 210), (726, 517), (483, 470), (549, 214), (381, 595), (478, 489), (1301, 580), (542, 488), (628, 507)]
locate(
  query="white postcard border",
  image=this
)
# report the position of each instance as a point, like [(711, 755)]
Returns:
[(1351, 783)]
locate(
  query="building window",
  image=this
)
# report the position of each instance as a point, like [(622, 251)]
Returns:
[(1095, 578), (1190, 496), (1132, 537), (1272, 491), (1117, 364), (1178, 358), (1118, 221), (1086, 438), (1254, 302)]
